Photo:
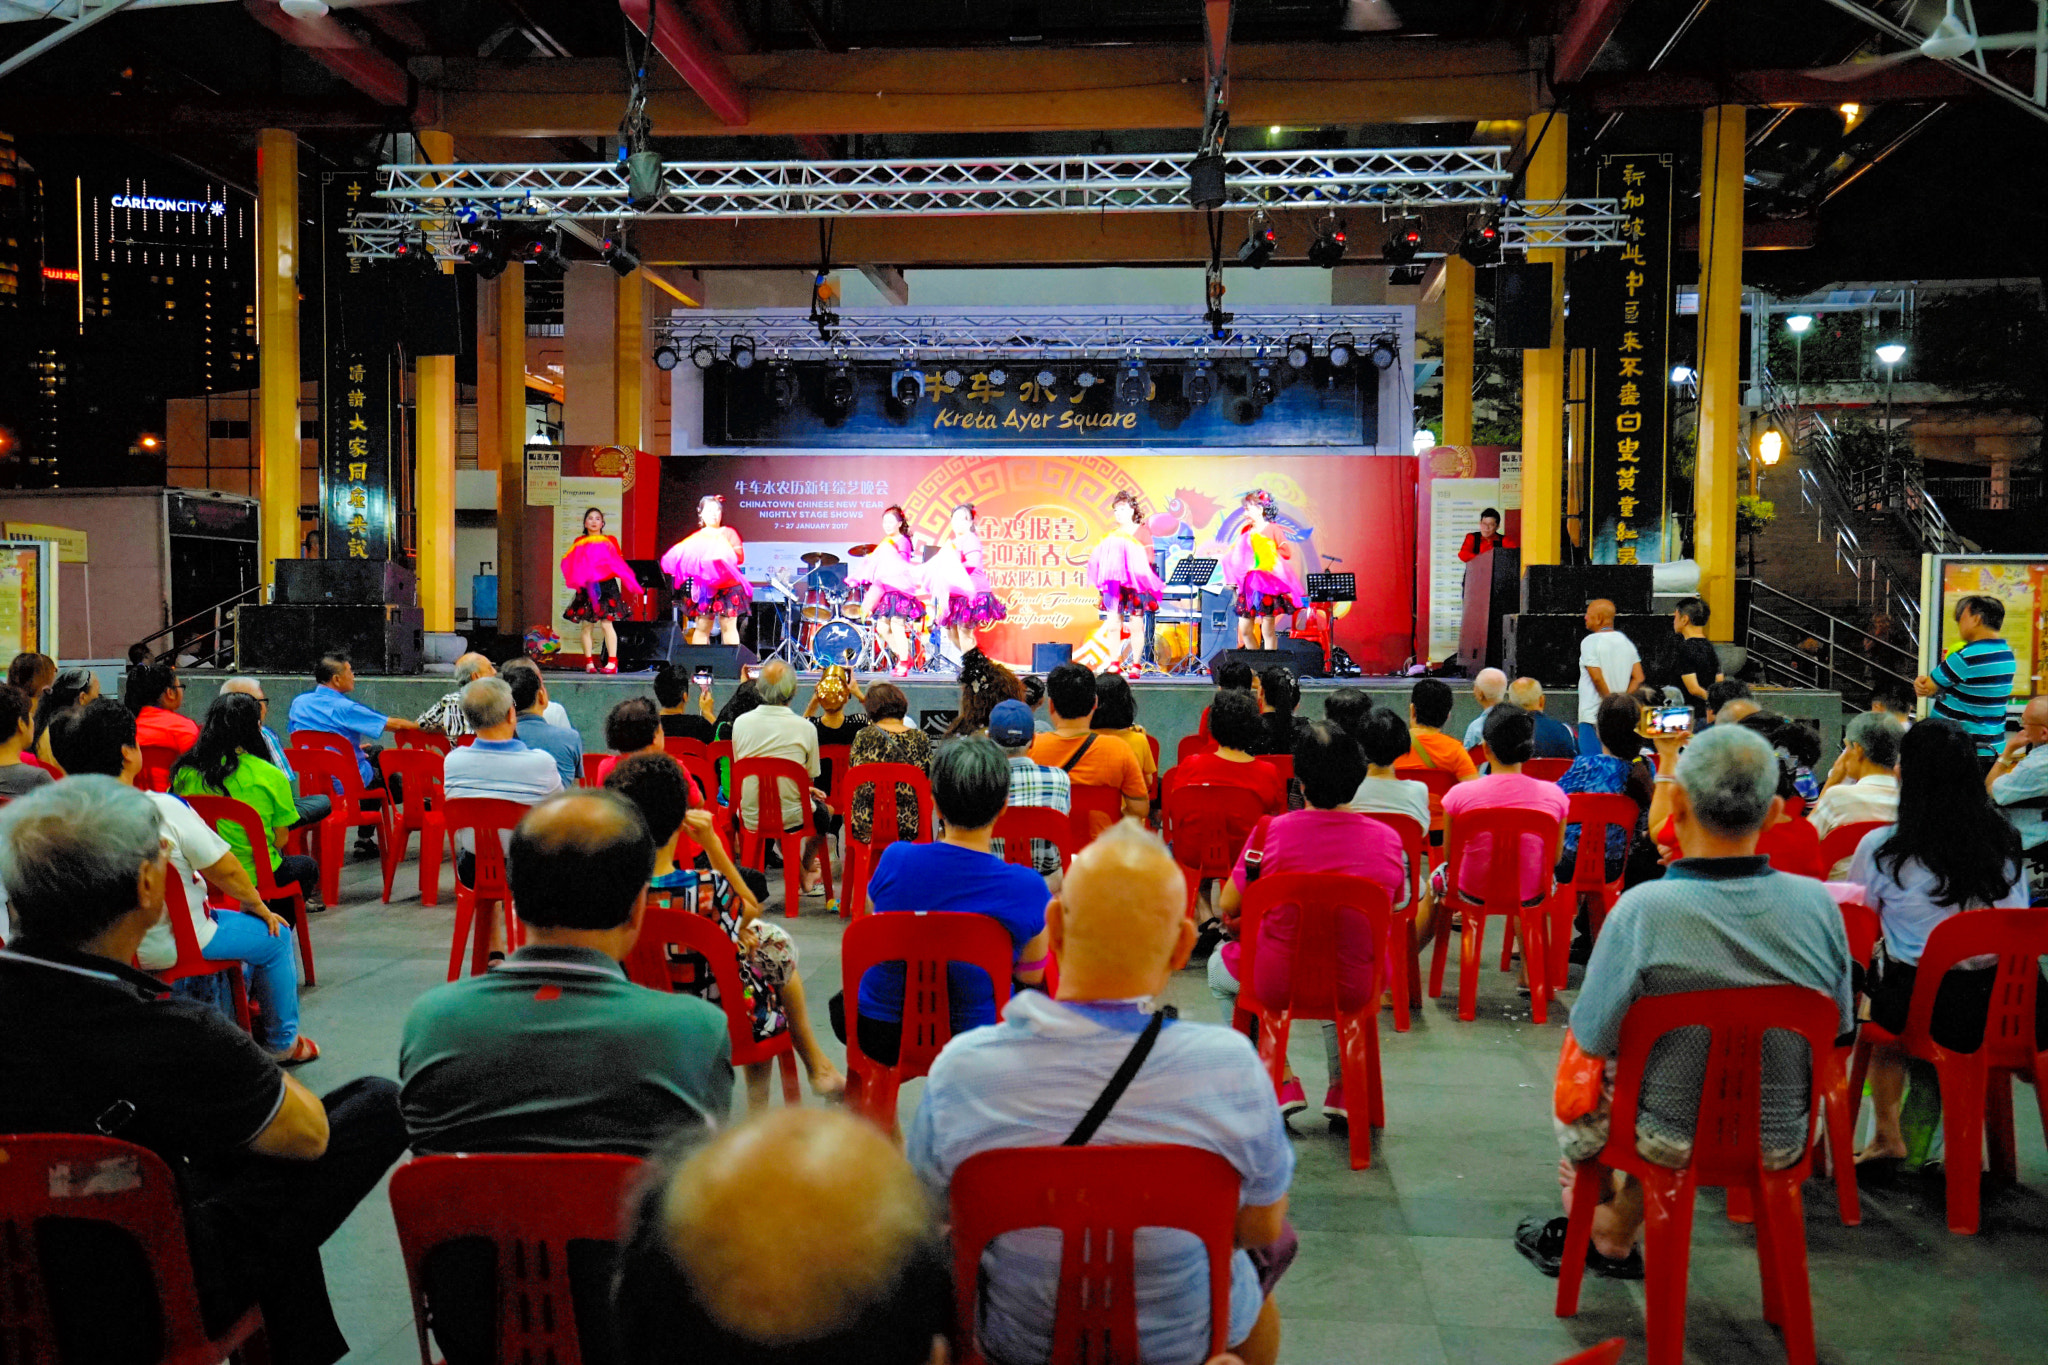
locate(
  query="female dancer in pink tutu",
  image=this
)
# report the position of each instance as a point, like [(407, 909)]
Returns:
[(1121, 571), (962, 597), (705, 567), (896, 584), (596, 568), (1261, 565)]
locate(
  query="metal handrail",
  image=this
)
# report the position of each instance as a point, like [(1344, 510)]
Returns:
[(1841, 644), (216, 623)]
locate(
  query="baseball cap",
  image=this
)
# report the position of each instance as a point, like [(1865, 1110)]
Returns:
[(1010, 724)]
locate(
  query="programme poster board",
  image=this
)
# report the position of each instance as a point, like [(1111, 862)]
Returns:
[(1454, 508), (2019, 581), (28, 597)]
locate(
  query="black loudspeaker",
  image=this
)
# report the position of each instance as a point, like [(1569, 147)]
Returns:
[(1045, 658), (431, 323), (1521, 307), (1302, 656), (1550, 588), (354, 582), (1546, 647), (643, 644), (724, 661), (1219, 612), (290, 638)]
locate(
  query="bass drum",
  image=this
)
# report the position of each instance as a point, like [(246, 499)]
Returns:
[(840, 642)]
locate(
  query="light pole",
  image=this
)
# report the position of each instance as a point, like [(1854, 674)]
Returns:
[(1797, 325), (1770, 444), (1889, 354)]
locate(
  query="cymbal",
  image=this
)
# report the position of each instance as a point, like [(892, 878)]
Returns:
[(820, 559), (859, 550)]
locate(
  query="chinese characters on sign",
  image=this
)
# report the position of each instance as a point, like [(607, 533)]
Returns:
[(357, 387), (1631, 389)]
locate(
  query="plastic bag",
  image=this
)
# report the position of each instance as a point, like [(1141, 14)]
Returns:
[(1579, 1082)]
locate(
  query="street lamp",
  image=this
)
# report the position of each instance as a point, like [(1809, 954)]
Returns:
[(1797, 325), (1770, 444), (1889, 355), (1681, 374)]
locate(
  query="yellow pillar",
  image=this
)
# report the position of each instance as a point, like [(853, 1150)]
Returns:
[(434, 452), (510, 399), (629, 361), (1720, 364), (1543, 371), (1457, 351), (277, 317)]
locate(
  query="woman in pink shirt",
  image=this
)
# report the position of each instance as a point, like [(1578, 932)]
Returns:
[(1510, 742)]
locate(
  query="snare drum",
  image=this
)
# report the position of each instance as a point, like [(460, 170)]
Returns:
[(840, 642), (854, 608), (820, 605)]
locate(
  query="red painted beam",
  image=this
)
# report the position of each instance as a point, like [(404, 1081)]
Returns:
[(694, 59), (1907, 82), (341, 52), (721, 23), (1592, 24)]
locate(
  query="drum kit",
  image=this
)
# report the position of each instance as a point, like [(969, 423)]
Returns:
[(823, 621)]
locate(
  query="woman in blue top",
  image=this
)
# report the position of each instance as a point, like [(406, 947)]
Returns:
[(1951, 851), (1617, 768)]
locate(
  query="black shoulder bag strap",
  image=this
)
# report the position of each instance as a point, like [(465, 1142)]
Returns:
[(1078, 754), (1120, 1082)]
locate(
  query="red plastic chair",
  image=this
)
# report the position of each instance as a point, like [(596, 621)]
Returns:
[(1976, 1087), (1727, 1151), (1594, 813), (1439, 781), (1415, 845), (680, 748), (1313, 985), (190, 961), (419, 773), (1206, 826), (1018, 826), (1793, 846), (157, 762), (1506, 828), (1097, 1197), (1840, 845), (666, 927), (1190, 745), (1607, 1352), (767, 776), (221, 810), (1093, 810), (431, 740), (323, 770), (1284, 763), (862, 855), (485, 820), (1477, 753), (562, 1197), (89, 1178), (926, 943), (587, 775), (1837, 1152), (1546, 769), (322, 739)]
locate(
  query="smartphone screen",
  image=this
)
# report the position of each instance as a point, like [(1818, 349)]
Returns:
[(1671, 720)]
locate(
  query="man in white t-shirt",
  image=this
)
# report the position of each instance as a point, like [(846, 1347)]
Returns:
[(1608, 663)]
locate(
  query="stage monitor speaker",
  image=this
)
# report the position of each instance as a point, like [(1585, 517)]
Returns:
[(724, 661), (1302, 656), (1521, 307), (354, 582), (1552, 588), (1219, 613), (1046, 657), (290, 638), (643, 644)]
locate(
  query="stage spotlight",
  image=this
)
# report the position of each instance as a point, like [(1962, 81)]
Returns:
[(1383, 350), (703, 352), (1343, 348), (1328, 247), (782, 390), (615, 255), (1481, 243), (646, 182), (543, 256), (1259, 244), (665, 358), (998, 377), (1402, 244), (1264, 387), (839, 388), (1300, 347), (742, 353), (1133, 382), (1046, 379), (1087, 379), (482, 251), (953, 378), (906, 386), (1200, 385)]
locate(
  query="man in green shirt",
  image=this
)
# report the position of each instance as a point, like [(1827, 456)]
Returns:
[(555, 1050)]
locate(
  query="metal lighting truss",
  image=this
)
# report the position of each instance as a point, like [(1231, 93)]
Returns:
[(424, 199), (1957, 40), (1106, 336)]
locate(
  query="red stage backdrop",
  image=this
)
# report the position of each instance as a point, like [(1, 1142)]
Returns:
[(1040, 515)]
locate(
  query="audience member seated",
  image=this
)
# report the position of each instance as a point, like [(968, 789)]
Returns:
[(1950, 852), (1121, 932), (1011, 729), (801, 1237), (1895, 699), (1326, 837), (153, 695), (232, 760), (1720, 918), (1510, 735), (631, 727), (827, 712), (445, 716), (554, 1050), (1279, 694), (267, 1171), (1231, 674), (311, 808), (1554, 739), (1730, 700), (1086, 757), (496, 767), (1383, 740), (1864, 783), (772, 730), (329, 709), (958, 872), (983, 683), (1240, 733), (33, 673), (678, 721), (100, 739), (744, 698), (1616, 769), (74, 687), (888, 739), (1801, 744), (656, 786), (2018, 779), (1116, 717), (17, 778), (1429, 706), (530, 698), (1489, 689), (1034, 697)]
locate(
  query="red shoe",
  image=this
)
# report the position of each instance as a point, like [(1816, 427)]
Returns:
[(1333, 1105), (1292, 1100), (611, 666), (590, 665), (901, 670)]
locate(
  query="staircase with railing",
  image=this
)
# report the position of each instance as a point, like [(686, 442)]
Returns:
[(1793, 643), (205, 638)]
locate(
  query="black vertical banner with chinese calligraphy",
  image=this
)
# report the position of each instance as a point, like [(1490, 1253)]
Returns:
[(1630, 394), (358, 382)]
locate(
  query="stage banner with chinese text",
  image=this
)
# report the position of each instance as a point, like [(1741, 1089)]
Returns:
[(1041, 514), (358, 382), (1630, 393)]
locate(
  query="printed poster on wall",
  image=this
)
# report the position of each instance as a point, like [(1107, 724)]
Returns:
[(1454, 508), (580, 493), (1630, 312)]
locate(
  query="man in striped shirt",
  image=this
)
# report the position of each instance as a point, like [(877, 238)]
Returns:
[(1973, 685)]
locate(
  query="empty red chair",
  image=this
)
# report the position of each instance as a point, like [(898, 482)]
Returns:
[(666, 926), (1546, 769), (321, 769), (88, 1178), (1507, 829), (432, 740), (157, 762), (1594, 813), (190, 961), (926, 944), (1314, 991), (1094, 809), (221, 810), (1206, 825), (1727, 1151), (1840, 845), (419, 771), (322, 739), (561, 1197), (1976, 1087), (1190, 745), (1097, 1197), (1406, 942), (1017, 826), (768, 776), (488, 893), (680, 748), (884, 829)]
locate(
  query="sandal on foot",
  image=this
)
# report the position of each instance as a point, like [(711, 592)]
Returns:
[(302, 1050)]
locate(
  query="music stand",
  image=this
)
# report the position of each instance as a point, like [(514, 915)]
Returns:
[(1326, 590), (1193, 573)]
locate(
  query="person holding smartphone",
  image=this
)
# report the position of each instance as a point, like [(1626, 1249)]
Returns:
[(671, 694)]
